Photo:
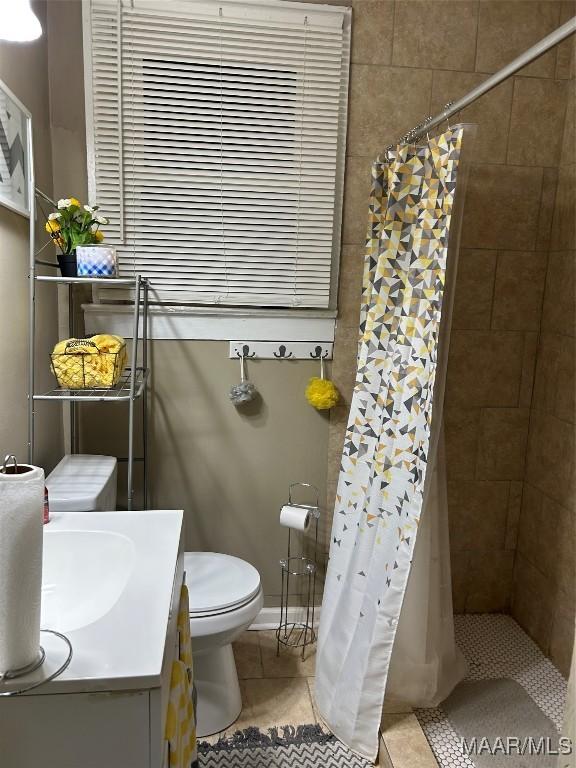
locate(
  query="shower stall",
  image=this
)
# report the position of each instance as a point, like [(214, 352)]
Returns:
[(387, 616)]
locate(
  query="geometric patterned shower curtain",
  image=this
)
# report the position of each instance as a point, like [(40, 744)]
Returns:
[(383, 478)]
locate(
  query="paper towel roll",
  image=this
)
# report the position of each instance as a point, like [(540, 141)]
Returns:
[(292, 516), (21, 509)]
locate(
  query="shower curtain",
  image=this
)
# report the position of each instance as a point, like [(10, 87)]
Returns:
[(385, 477), (426, 664)]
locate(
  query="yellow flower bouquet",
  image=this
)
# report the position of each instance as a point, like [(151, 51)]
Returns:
[(74, 224)]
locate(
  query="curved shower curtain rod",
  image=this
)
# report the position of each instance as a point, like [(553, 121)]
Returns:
[(567, 29)]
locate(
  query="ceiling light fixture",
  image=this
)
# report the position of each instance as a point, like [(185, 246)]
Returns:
[(18, 22)]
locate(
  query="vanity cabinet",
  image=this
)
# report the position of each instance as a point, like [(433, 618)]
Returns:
[(76, 730), (93, 729)]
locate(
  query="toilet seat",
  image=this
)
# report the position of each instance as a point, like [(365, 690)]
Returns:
[(218, 583)]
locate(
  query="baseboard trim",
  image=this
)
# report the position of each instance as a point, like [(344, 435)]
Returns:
[(269, 618)]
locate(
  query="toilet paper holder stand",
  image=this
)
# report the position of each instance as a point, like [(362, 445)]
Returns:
[(299, 633)]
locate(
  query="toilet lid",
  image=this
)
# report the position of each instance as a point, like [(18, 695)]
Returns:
[(218, 582)]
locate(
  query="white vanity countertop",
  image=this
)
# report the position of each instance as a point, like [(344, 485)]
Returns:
[(123, 648)]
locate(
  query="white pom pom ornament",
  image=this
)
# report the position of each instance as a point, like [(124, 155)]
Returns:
[(244, 392)]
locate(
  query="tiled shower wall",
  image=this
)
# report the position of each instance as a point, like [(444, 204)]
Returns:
[(408, 59), (544, 593)]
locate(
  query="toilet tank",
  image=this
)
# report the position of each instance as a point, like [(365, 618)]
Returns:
[(83, 483)]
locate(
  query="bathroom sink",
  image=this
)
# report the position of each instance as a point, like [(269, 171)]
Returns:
[(84, 573), (109, 584)]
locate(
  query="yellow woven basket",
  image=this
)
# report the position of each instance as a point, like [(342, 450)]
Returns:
[(83, 365)]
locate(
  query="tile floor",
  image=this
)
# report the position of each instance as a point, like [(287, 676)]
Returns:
[(495, 646), (277, 690)]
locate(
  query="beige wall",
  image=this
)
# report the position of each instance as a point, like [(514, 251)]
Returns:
[(23, 67), (408, 59), (544, 596), (228, 468), (67, 116)]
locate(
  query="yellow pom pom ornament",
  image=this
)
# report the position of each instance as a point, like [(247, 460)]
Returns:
[(321, 393)]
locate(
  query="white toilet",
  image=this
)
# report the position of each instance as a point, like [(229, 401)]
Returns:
[(225, 598), (225, 592)]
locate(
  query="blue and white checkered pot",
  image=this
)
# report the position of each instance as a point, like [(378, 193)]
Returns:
[(96, 261)]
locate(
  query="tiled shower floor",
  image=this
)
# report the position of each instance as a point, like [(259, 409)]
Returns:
[(495, 647)]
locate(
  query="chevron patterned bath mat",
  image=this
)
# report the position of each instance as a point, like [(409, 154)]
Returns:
[(303, 746)]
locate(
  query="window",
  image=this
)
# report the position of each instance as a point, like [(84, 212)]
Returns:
[(216, 145)]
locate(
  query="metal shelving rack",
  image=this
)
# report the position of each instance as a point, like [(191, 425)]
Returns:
[(131, 387)]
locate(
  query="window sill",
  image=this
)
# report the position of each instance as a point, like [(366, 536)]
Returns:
[(215, 323)]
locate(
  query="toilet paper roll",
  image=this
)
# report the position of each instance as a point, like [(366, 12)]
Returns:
[(295, 517), (21, 510)]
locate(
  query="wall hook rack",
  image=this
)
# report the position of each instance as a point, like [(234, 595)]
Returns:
[(289, 350)]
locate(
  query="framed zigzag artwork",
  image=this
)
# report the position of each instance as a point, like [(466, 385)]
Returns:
[(15, 152)]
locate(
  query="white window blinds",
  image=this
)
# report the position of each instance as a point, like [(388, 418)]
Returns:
[(216, 144)]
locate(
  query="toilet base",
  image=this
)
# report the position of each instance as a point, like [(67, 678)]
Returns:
[(219, 701)]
